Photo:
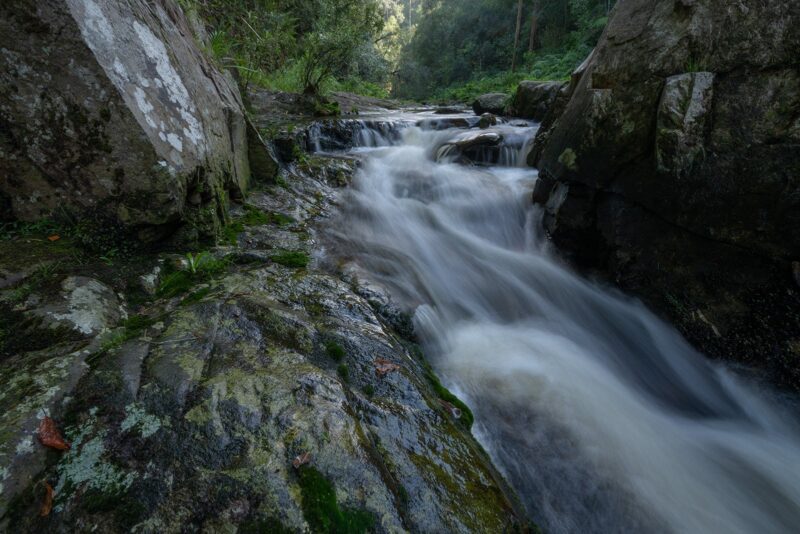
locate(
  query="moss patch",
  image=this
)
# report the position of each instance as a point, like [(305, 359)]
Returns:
[(295, 260), (343, 372), (321, 510), (334, 350), (466, 418)]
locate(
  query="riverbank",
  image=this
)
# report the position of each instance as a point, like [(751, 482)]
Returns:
[(247, 383)]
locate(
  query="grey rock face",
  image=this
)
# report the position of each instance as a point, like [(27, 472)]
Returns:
[(111, 107), (534, 99), (494, 103), (683, 116), (86, 306), (674, 167), (191, 421)]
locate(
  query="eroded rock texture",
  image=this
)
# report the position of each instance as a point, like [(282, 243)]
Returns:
[(110, 107), (674, 169)]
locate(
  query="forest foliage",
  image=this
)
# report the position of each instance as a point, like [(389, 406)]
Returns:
[(464, 48), (419, 49)]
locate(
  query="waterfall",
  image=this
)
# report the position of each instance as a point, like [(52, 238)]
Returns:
[(600, 415)]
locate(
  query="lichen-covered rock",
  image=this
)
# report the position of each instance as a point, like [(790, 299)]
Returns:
[(494, 103), (534, 99), (194, 420), (675, 169), (86, 306), (684, 115), (110, 107)]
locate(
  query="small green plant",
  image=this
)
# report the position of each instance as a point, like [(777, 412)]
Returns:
[(321, 509), (254, 217), (41, 275), (369, 390), (343, 372), (295, 260), (230, 233), (694, 64), (335, 350), (196, 296), (108, 257), (198, 267), (131, 328)]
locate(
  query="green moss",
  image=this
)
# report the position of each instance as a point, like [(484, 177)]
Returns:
[(335, 350), (466, 418), (199, 267), (369, 390), (321, 510), (175, 283), (230, 233), (254, 217), (280, 219), (131, 328), (343, 372), (261, 526), (137, 323), (295, 260), (569, 159)]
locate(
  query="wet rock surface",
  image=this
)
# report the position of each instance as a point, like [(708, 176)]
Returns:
[(140, 123), (534, 99), (494, 103), (212, 409), (675, 173)]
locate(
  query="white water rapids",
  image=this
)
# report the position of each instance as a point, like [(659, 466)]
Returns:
[(598, 413)]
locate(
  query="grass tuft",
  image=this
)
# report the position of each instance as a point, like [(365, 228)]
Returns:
[(295, 260)]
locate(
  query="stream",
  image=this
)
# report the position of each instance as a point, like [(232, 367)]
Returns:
[(599, 414)]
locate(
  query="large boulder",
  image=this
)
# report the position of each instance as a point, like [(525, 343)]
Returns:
[(110, 108), (494, 103), (675, 170), (534, 99)]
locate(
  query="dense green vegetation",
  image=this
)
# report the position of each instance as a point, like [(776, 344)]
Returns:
[(461, 49), (298, 45), (421, 49)]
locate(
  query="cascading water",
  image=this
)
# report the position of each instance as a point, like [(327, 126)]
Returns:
[(600, 415)]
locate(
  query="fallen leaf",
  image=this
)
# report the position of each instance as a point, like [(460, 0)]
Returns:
[(54, 237), (50, 436), (384, 367), (301, 459), (47, 505)]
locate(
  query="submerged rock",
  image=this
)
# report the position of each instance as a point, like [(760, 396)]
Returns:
[(487, 120)]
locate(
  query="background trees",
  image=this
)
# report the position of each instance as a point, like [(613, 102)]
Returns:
[(471, 46), (298, 45), (421, 49)]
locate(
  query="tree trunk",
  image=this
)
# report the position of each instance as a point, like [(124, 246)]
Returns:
[(534, 26), (516, 36)]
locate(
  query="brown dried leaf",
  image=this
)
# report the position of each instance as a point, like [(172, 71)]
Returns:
[(383, 367), (47, 505), (301, 459), (50, 436), (54, 237)]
